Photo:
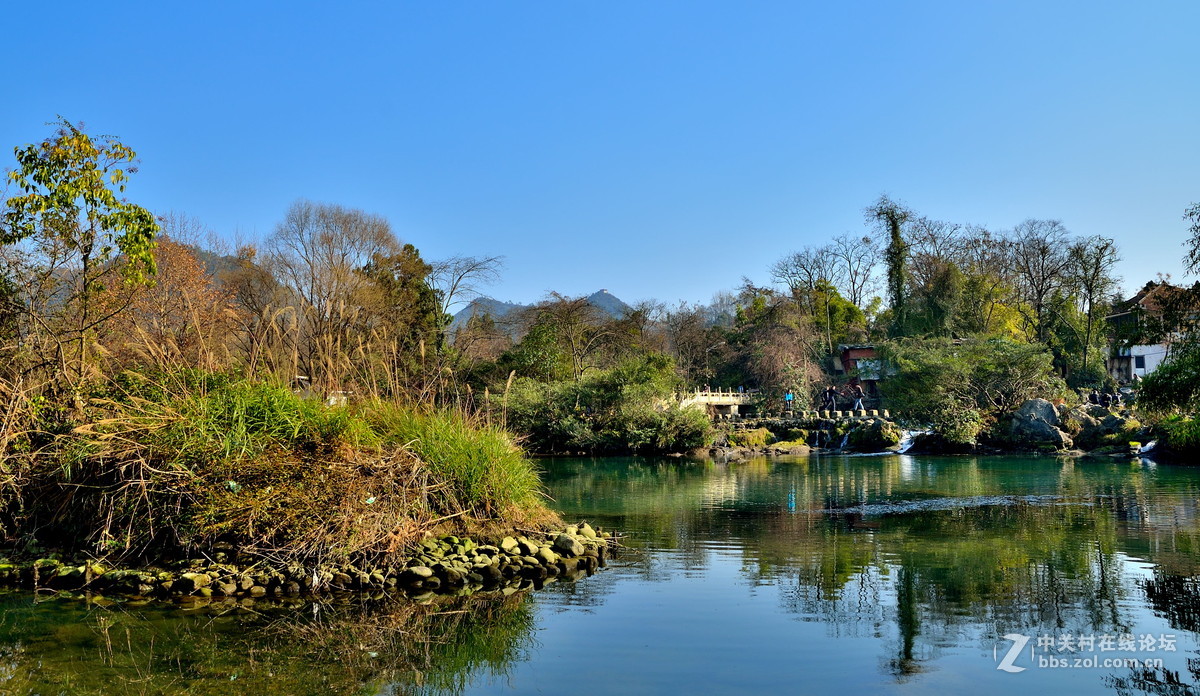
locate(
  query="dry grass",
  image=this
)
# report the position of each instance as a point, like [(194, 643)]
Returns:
[(186, 463)]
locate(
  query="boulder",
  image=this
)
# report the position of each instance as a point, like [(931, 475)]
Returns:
[(188, 583), (1038, 410), (566, 545), (936, 443), (1076, 420), (415, 575), (1035, 425), (1112, 430)]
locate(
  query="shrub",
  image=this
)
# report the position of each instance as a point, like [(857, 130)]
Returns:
[(626, 409), (485, 468), (1175, 384), (958, 387), (1180, 436)]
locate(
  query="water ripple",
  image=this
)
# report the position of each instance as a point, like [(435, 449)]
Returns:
[(901, 507)]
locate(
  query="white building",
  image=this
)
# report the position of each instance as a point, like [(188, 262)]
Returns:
[(1130, 360)]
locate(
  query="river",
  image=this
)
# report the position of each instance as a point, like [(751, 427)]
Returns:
[(887, 574)]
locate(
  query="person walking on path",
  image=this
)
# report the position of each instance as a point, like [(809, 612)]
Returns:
[(856, 391), (829, 401)]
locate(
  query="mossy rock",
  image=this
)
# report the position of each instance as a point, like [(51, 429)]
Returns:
[(874, 436), (757, 437), (797, 436)]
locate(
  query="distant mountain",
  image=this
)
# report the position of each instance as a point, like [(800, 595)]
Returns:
[(214, 264), (498, 310), (609, 303), (485, 306)]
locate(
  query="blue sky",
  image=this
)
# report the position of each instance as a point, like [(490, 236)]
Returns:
[(657, 149)]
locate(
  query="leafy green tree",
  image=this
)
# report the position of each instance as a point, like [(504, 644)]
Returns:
[(959, 386), (772, 344), (936, 304), (66, 226), (404, 309), (1192, 216), (892, 216), (539, 355)]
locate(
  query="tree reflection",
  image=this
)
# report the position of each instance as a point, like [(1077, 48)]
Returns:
[(338, 646), (920, 551)]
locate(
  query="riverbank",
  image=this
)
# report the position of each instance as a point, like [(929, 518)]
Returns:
[(196, 465)]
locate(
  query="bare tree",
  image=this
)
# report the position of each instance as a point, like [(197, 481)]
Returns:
[(458, 279), (192, 231), (780, 350), (689, 339), (932, 244), (810, 275), (804, 271), (316, 254), (581, 328), (261, 305), (1039, 259), (858, 257), (1092, 261)]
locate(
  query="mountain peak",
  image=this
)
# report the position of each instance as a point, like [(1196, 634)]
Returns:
[(609, 303), (602, 299)]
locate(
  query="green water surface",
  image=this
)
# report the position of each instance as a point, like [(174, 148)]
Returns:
[(848, 575)]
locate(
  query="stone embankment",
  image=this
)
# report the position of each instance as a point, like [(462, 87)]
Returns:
[(1038, 426), (447, 564), (806, 432)]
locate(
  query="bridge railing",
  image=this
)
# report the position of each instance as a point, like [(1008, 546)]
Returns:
[(728, 391)]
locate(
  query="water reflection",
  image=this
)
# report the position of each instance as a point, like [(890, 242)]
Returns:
[(922, 553), (346, 646), (871, 574)]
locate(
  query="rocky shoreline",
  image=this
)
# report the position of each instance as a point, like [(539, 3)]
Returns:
[(1037, 427), (450, 564)]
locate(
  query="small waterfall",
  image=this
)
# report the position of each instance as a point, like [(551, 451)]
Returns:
[(1148, 447), (845, 439), (906, 439)]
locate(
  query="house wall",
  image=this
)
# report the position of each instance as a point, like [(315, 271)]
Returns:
[(1153, 355), (1123, 366)]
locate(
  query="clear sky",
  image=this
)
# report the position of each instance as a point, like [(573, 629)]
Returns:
[(658, 149)]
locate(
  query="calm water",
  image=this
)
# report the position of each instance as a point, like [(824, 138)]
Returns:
[(807, 575)]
